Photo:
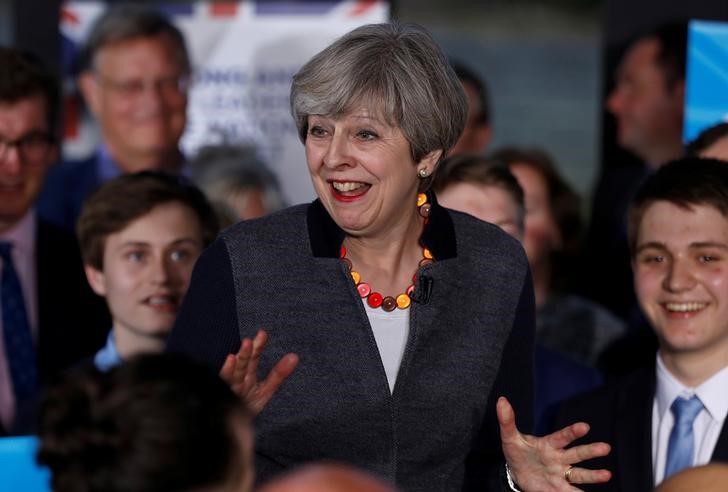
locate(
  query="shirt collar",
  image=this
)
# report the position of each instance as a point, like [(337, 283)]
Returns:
[(711, 392), (109, 169), (108, 357), (326, 237), (106, 165), (22, 234)]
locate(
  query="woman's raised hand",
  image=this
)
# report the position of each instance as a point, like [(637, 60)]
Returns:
[(542, 463), (240, 372)]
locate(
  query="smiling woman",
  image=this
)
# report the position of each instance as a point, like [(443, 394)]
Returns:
[(409, 320)]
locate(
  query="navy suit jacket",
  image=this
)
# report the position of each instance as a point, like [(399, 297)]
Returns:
[(557, 378), (66, 188), (621, 415), (72, 320)]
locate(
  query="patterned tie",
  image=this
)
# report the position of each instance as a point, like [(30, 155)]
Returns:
[(681, 444), (19, 349)]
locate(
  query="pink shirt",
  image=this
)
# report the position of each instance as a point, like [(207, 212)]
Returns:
[(22, 237)]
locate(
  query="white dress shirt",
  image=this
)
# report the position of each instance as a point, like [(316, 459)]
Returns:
[(707, 425), (390, 332), (22, 237)]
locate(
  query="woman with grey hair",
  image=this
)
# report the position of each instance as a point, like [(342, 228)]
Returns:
[(404, 321)]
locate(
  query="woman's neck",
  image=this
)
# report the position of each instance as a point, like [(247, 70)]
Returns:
[(388, 261)]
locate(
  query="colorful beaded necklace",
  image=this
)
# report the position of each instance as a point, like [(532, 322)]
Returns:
[(403, 300)]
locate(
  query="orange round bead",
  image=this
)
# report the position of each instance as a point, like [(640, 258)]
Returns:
[(421, 199), (356, 277), (426, 253), (403, 301)]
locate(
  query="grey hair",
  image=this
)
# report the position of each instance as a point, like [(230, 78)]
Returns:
[(225, 169), (395, 69), (125, 22)]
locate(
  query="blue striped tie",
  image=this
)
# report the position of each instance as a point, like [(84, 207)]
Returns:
[(19, 349), (682, 441)]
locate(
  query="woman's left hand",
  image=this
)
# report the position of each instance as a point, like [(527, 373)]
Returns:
[(240, 371), (543, 463)]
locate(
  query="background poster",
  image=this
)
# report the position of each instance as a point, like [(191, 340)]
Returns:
[(243, 54), (706, 94)]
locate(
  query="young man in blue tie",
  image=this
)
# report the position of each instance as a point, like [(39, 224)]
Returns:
[(671, 416)]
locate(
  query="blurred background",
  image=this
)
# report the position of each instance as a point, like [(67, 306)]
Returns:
[(548, 64)]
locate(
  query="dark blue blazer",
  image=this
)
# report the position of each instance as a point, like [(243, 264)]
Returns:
[(557, 378), (67, 186), (621, 415)]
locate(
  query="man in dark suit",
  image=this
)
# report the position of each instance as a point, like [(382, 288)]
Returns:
[(647, 105), (49, 316), (671, 416), (135, 73)]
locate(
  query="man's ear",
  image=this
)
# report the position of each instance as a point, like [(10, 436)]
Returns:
[(91, 91), (430, 161), (96, 279)]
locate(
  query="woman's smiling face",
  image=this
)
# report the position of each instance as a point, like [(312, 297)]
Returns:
[(363, 171)]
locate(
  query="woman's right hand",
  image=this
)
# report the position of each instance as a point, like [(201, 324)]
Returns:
[(240, 372)]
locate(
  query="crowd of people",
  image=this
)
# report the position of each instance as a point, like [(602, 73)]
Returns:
[(429, 322)]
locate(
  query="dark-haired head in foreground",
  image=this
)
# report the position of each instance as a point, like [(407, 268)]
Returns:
[(711, 142), (156, 423)]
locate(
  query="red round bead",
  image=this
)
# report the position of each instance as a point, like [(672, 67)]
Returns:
[(425, 210), (343, 251), (375, 299)]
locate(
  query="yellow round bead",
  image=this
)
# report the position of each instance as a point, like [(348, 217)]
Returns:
[(403, 301), (427, 253), (421, 199), (356, 277)]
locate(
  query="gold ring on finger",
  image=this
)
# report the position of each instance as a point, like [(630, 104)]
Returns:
[(567, 474)]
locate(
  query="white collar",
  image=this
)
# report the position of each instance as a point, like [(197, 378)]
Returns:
[(711, 392)]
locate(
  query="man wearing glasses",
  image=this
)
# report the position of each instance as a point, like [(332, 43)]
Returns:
[(134, 79), (49, 317)]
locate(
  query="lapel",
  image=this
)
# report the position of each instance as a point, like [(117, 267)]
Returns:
[(634, 432), (720, 452)]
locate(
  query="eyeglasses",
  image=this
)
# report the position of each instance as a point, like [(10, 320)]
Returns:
[(173, 86), (32, 148)]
